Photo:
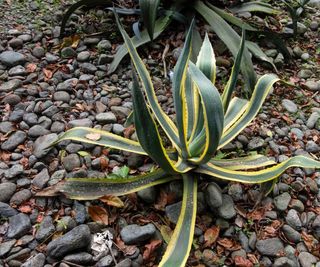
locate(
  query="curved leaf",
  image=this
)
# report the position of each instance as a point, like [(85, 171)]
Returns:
[(167, 125), (180, 243), (232, 19), (122, 51), (243, 163), (179, 94), (101, 138), (260, 93), (230, 38), (149, 10), (212, 113), (235, 110), (261, 176), (231, 84), (147, 131), (93, 188), (255, 6)]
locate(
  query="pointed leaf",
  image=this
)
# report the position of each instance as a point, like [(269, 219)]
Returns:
[(231, 85), (180, 243), (122, 51), (260, 93), (261, 176), (147, 131), (149, 9), (163, 119), (230, 38), (212, 113), (106, 139)]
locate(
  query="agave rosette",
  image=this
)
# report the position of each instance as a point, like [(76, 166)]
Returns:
[(205, 122)]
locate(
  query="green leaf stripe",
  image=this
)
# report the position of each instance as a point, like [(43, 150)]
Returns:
[(94, 188), (180, 243), (257, 176), (163, 119), (212, 112), (147, 131), (102, 138), (260, 93), (243, 163)]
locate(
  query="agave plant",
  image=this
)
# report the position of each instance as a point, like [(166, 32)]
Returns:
[(156, 19), (205, 122)]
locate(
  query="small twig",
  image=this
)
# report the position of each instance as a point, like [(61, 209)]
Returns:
[(164, 54)]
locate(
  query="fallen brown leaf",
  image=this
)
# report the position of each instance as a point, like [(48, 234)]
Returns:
[(112, 201), (31, 67), (47, 73), (150, 249), (241, 262), (98, 214), (211, 235)]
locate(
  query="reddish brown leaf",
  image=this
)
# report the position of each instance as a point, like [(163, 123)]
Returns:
[(127, 250), (150, 249), (229, 244), (241, 262), (128, 131), (31, 67), (211, 236), (256, 215), (47, 73), (112, 201), (98, 214), (25, 209), (104, 163)]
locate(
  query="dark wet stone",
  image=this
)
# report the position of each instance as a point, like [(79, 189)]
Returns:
[(270, 247), (20, 196), (40, 148), (133, 234), (78, 238), (5, 247), (82, 258), (45, 230), (37, 260), (7, 190), (11, 58), (19, 225), (14, 140), (6, 211)]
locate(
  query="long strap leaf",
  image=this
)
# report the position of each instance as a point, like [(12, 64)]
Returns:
[(180, 243), (179, 94), (93, 188), (163, 119), (243, 163), (149, 9), (160, 26), (147, 131), (260, 93), (261, 176), (230, 38), (212, 113), (231, 84), (101, 138)]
